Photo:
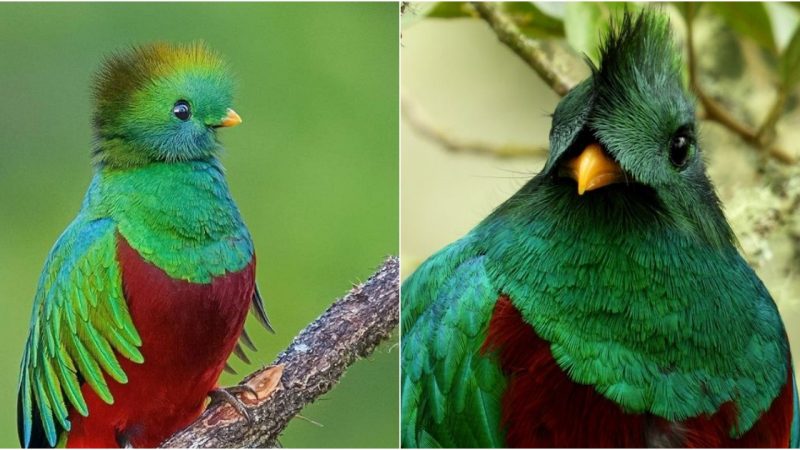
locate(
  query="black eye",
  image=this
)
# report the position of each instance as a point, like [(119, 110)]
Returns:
[(680, 149), (182, 110)]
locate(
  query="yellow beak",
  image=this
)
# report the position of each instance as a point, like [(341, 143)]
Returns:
[(231, 119), (593, 169)]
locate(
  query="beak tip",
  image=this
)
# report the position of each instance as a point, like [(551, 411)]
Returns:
[(231, 119), (593, 169)]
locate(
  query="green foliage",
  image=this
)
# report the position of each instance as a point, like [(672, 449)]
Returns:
[(587, 23), (534, 22), (583, 24), (531, 20), (450, 10), (748, 19), (790, 61), (313, 168), (688, 10)]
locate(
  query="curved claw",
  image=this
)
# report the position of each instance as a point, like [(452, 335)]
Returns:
[(242, 389), (228, 395)]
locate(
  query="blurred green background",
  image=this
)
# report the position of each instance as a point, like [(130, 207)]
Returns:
[(314, 167)]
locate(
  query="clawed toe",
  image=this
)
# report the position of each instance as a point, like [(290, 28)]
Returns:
[(228, 395)]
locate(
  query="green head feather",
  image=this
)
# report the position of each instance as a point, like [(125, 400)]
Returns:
[(636, 106), (159, 102)]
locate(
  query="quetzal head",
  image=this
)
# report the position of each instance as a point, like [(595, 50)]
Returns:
[(630, 128), (161, 102)]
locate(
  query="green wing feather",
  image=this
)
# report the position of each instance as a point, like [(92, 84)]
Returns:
[(451, 392), (80, 318)]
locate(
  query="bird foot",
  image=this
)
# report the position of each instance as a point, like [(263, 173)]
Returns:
[(228, 395)]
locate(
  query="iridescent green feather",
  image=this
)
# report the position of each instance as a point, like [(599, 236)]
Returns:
[(692, 331), (81, 316), (81, 285), (451, 392), (149, 164)]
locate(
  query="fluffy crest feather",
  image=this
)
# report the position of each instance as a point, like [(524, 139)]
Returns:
[(128, 71), (135, 92), (639, 49)]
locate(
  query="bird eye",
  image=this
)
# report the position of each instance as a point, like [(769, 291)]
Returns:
[(182, 110), (680, 149)]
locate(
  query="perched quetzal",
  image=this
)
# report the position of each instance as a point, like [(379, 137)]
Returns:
[(144, 296), (605, 303)]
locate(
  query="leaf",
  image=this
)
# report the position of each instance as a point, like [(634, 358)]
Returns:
[(688, 10), (586, 24), (450, 10), (794, 5), (750, 19), (533, 21), (552, 9), (784, 21), (415, 12), (530, 19), (790, 61)]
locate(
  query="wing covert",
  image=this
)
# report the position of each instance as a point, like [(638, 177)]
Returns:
[(80, 322), (451, 392)]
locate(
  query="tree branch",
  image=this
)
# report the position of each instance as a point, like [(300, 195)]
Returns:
[(535, 56), (529, 50), (715, 112), (351, 328), (413, 116), (766, 132)]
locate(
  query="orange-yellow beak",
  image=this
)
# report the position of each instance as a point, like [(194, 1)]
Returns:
[(593, 169), (231, 119)]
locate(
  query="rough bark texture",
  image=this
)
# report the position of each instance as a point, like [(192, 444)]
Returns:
[(529, 50), (317, 358)]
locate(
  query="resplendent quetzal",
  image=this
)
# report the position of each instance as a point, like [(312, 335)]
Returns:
[(605, 303), (144, 296)]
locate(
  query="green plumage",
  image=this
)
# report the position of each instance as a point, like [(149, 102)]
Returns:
[(134, 93), (445, 380), (158, 225), (74, 329), (637, 286), (157, 184)]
